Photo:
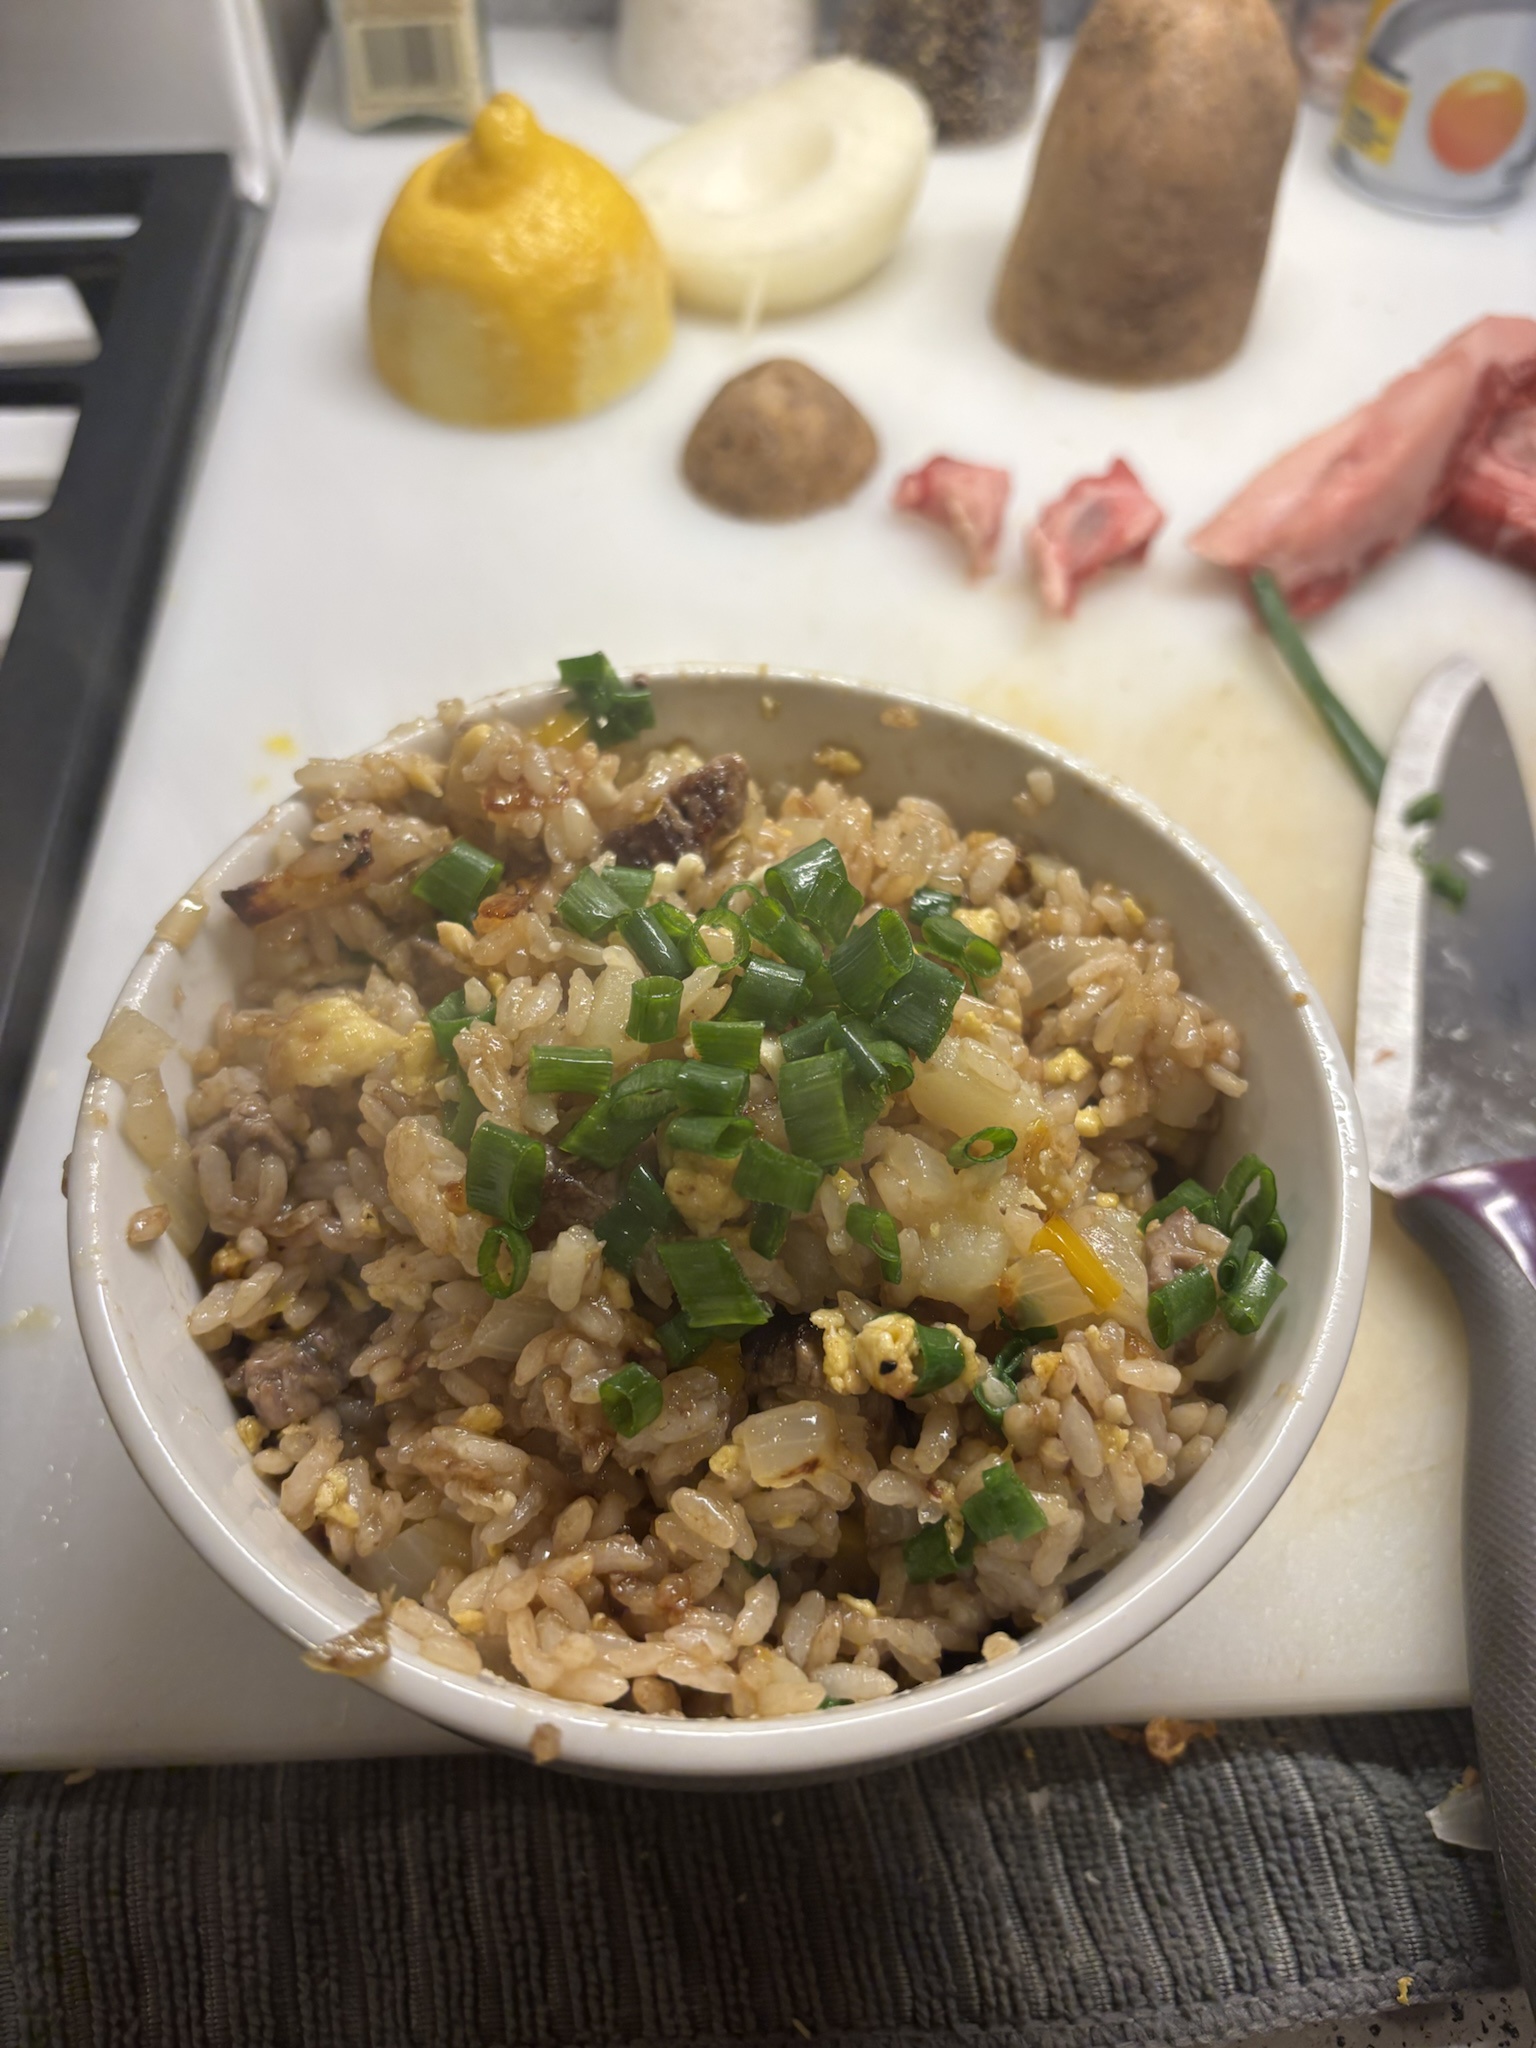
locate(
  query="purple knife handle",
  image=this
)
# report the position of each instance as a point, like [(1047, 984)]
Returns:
[(1479, 1226)]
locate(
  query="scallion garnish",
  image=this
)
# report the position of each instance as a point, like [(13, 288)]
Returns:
[(813, 885), (456, 882), (722, 920), (1229, 1272), (1425, 809), (726, 1044), (1189, 1194), (707, 1090), (953, 941), (1366, 760), (499, 1238), (505, 1176), (649, 1077), (569, 1069), (772, 926), (712, 1137), (930, 902), (874, 1062), (1231, 1209), (1445, 879), (630, 1224), (918, 1010), (617, 1125), (928, 1557), (875, 1229), (589, 908), (768, 992), (871, 961), (632, 1399), (648, 939), (631, 885), (943, 1359), (768, 1175), (981, 1148), (814, 1109), (1003, 1506), (1259, 1286), (1179, 1308), (770, 1227), (614, 709), (681, 1342), (654, 1002), (460, 1115), (815, 1035), (451, 1016), (712, 1290), (683, 931)]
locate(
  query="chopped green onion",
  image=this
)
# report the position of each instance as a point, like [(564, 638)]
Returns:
[(706, 1090), (1229, 1272), (918, 1010), (943, 1359), (589, 907), (768, 992), (632, 1399), (815, 1035), (711, 1287), (712, 1137), (927, 1556), (956, 942), (877, 1063), (1003, 1506), (630, 1224), (569, 1069), (770, 1227), (460, 1115), (930, 902), (1424, 810), (1445, 879), (617, 1125), (648, 1078), (614, 709), (681, 1342), (1013, 1361), (894, 1058), (451, 1016), (631, 885), (1258, 1288), (654, 1002), (871, 961), (1271, 1239), (1189, 1194), (875, 1229), (1178, 1309), (505, 1178), (994, 1396), (722, 920), (738, 1044), (1365, 760), (498, 1238), (683, 931), (981, 1148), (772, 926), (456, 882), (813, 884), (768, 1175), (647, 938), (814, 1110), (1230, 1207)]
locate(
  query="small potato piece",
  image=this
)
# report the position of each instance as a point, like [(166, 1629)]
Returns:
[(778, 442)]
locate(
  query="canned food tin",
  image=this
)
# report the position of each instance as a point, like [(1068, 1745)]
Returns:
[(1440, 115)]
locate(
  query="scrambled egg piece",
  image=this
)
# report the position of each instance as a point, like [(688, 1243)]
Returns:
[(420, 1062), (726, 1460), (837, 1362), (1066, 1069), (986, 924), (331, 1503), (325, 1041), (884, 1357), (700, 1190)]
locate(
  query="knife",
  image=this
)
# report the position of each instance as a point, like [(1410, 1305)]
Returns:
[(1445, 1069)]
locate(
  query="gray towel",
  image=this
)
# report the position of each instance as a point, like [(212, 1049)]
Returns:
[(1056, 1888)]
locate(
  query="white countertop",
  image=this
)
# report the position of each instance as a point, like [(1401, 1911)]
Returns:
[(344, 564)]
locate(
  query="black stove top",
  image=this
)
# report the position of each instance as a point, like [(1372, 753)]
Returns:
[(158, 298)]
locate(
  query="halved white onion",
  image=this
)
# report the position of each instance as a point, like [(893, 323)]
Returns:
[(792, 197)]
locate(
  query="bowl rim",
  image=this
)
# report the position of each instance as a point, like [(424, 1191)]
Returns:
[(505, 1715)]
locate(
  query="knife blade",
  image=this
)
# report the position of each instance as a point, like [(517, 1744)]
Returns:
[(1445, 1069)]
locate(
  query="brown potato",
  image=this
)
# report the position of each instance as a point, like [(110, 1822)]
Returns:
[(1139, 254), (778, 442)]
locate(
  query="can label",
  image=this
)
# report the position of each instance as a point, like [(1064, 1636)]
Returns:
[(1440, 116)]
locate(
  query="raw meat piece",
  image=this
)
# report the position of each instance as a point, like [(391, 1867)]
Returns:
[(967, 497), (1493, 499), (1324, 513), (1098, 521)]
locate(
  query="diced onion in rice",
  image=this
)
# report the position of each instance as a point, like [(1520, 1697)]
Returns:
[(131, 1045), (783, 1444)]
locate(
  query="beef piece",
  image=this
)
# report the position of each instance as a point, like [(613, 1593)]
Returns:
[(1321, 515), (1099, 521), (695, 811), (575, 1191), (967, 498), (784, 1352), (1493, 498), (288, 1379)]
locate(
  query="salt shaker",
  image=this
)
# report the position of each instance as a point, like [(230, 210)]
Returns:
[(974, 61), (686, 58)]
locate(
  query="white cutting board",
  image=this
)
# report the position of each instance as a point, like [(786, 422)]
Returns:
[(344, 564)]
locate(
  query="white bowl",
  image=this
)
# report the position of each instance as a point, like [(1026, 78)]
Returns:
[(171, 1411)]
